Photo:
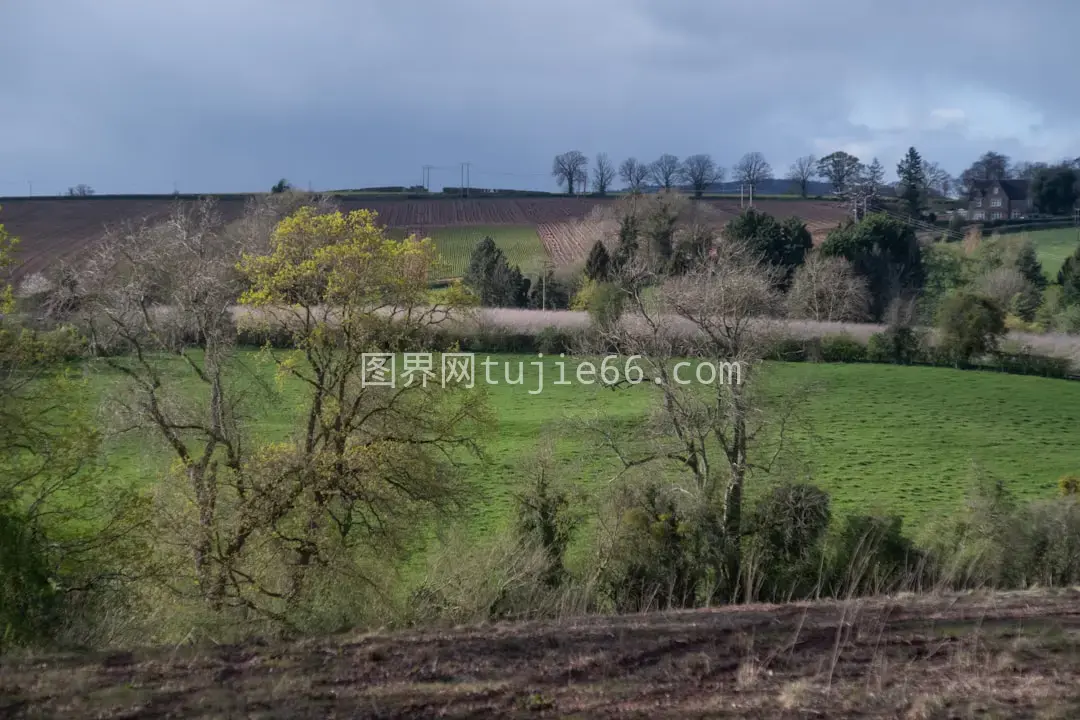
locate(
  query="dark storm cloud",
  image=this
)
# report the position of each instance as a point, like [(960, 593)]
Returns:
[(132, 96)]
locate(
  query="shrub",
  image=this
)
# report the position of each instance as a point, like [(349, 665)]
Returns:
[(869, 554), (606, 305), (1069, 484), (553, 340), (970, 326), (899, 345), (842, 349), (652, 563), (786, 528)]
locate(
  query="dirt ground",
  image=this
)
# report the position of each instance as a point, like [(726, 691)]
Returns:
[(53, 229), (1014, 655)]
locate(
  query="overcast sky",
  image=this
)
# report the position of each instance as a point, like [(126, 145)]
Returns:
[(230, 95)]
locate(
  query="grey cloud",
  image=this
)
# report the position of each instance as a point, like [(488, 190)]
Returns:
[(132, 96)]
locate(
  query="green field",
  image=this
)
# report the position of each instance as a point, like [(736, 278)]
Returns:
[(1054, 246), (520, 243), (878, 437)]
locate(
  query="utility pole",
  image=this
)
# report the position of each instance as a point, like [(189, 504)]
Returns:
[(467, 180), (427, 177), (31, 184), (462, 185)]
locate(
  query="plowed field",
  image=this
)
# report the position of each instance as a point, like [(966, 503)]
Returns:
[(54, 228), (1011, 655)]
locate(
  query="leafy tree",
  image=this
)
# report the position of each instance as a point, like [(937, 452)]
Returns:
[(839, 168), (491, 277), (912, 181), (569, 169), (1069, 279), (598, 264), (1055, 190), (371, 462), (990, 166), (885, 251), (281, 186), (783, 244), (661, 221), (970, 325), (628, 240), (8, 243)]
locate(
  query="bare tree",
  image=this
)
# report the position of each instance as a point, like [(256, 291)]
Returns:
[(717, 313), (568, 169), (664, 171), (80, 190), (936, 180), (802, 171), (153, 291), (634, 174), (751, 170), (603, 174), (699, 171), (828, 289)]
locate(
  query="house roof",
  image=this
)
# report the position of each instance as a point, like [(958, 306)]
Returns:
[(1013, 189)]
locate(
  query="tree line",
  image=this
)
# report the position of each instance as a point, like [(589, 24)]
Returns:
[(918, 179)]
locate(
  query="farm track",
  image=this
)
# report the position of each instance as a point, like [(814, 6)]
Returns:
[(953, 656), (53, 229)]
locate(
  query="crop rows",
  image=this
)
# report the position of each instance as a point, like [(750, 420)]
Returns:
[(519, 243)]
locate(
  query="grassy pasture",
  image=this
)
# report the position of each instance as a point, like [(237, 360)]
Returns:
[(520, 243), (1054, 246), (879, 438)]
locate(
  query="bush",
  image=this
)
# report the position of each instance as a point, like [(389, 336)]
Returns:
[(970, 326), (786, 529), (1027, 363), (653, 563), (554, 340), (898, 345), (869, 555), (842, 349), (1069, 484), (606, 305)]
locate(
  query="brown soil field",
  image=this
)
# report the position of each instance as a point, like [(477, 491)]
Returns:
[(1004, 655), (55, 228)]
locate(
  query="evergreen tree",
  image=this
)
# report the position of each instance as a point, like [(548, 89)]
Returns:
[(491, 277), (1069, 279), (598, 265), (912, 181)]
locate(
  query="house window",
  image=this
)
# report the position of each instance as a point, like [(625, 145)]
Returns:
[(995, 191), (978, 202), (995, 216), (996, 202), (1015, 214), (977, 216)]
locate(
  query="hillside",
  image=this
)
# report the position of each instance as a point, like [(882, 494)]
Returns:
[(55, 228), (993, 655)]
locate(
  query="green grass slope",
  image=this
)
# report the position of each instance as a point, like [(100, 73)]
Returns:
[(520, 243), (879, 438), (1054, 246)]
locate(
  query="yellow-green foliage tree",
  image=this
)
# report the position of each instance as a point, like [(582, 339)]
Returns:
[(370, 463), (7, 259)]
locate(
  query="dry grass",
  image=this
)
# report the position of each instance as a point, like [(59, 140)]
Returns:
[(972, 655)]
